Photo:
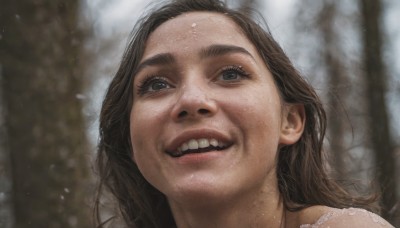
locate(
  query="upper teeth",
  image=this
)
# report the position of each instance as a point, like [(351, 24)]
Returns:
[(195, 144)]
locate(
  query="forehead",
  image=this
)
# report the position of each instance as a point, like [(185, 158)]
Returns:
[(195, 30)]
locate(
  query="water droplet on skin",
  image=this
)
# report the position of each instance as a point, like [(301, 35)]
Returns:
[(375, 218), (194, 25)]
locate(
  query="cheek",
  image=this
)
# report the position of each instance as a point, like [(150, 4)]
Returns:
[(143, 149), (257, 115), (256, 111), (142, 128), (147, 121)]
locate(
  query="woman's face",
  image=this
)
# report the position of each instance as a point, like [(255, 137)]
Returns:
[(206, 116)]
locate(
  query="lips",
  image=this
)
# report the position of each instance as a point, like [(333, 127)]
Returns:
[(200, 141)]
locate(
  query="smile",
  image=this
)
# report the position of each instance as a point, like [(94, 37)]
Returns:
[(199, 146)]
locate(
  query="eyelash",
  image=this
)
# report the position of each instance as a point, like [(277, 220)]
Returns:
[(145, 84), (236, 69)]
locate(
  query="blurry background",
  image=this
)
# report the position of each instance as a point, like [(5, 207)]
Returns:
[(57, 57)]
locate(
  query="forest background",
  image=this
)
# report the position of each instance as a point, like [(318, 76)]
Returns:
[(57, 57)]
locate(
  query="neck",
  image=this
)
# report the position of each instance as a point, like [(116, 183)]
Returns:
[(264, 209)]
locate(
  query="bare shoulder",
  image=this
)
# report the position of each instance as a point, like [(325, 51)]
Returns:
[(323, 217), (311, 214)]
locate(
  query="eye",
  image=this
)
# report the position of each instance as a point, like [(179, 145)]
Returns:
[(233, 73), (157, 85), (153, 84)]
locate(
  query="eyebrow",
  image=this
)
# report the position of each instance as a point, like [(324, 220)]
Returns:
[(211, 51), (221, 49), (159, 59)]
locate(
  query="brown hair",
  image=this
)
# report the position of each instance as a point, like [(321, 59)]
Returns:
[(302, 178)]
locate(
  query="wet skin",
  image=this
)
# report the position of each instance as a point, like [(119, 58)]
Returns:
[(201, 78)]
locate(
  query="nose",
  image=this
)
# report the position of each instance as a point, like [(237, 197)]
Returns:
[(193, 102)]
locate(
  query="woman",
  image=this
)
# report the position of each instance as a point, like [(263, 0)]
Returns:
[(207, 124)]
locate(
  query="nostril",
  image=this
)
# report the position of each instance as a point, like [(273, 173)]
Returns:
[(200, 112), (203, 111), (182, 114)]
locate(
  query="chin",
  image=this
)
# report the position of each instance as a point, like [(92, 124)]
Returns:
[(198, 190)]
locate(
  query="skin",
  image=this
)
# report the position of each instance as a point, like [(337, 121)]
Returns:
[(230, 96)]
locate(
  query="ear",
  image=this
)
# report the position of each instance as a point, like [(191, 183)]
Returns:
[(293, 121)]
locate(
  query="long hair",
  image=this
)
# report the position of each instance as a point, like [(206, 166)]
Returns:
[(302, 178)]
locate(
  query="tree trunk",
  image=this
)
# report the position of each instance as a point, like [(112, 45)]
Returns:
[(41, 81), (375, 79), (336, 85)]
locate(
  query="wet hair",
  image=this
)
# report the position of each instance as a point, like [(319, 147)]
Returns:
[(302, 178)]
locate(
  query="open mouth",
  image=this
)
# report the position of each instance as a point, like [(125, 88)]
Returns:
[(199, 146)]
